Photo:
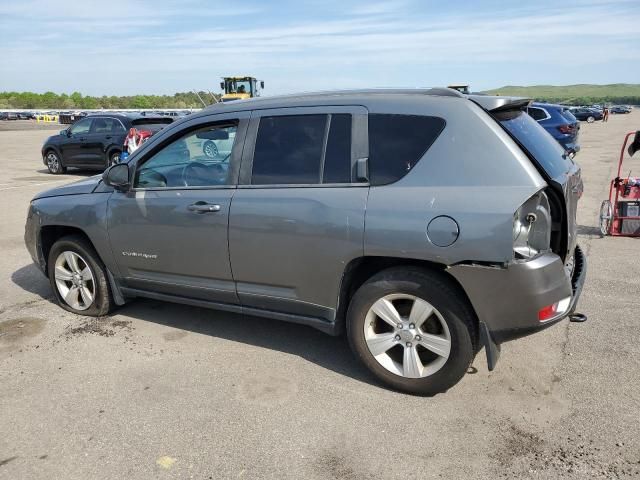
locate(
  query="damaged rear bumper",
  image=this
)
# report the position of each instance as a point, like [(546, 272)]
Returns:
[(508, 300)]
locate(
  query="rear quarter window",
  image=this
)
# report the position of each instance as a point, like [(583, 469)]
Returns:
[(397, 143)]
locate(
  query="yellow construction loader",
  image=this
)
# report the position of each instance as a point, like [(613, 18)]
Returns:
[(237, 88)]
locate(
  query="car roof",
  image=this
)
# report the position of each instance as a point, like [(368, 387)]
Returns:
[(127, 116), (355, 97), (548, 105)]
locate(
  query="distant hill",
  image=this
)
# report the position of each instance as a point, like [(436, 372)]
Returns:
[(581, 94)]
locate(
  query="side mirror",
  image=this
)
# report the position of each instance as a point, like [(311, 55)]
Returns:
[(117, 176), (635, 145), (221, 85), (261, 83), (63, 132)]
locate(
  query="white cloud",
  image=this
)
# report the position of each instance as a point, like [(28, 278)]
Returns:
[(370, 44)]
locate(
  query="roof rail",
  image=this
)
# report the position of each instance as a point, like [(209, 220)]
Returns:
[(438, 91)]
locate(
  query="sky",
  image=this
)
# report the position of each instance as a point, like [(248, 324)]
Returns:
[(122, 47)]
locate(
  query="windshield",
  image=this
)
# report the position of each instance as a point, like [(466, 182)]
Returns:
[(535, 139), (238, 86)]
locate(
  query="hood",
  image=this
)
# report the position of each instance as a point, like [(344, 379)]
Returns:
[(87, 185)]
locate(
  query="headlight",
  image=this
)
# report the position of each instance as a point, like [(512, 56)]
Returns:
[(532, 227)]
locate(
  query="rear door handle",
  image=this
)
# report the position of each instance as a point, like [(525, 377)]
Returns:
[(203, 207)]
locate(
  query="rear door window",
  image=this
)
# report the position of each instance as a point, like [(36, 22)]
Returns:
[(397, 143), (302, 150), (535, 139), (289, 150)]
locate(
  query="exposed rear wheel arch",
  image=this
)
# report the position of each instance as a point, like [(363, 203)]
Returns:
[(361, 269)]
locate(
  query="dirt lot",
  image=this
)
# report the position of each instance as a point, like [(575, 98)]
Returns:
[(168, 391)]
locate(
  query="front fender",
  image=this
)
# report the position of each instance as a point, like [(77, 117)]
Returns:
[(85, 213)]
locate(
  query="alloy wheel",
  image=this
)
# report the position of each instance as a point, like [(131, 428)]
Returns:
[(606, 214), (210, 149), (53, 162), (407, 335), (74, 280)]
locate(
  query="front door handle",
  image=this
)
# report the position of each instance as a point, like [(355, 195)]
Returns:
[(203, 207)]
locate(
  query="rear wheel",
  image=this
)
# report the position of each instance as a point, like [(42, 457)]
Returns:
[(606, 214), (210, 149), (54, 164), (590, 119), (78, 277), (412, 330), (114, 157)]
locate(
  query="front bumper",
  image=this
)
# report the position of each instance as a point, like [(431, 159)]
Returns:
[(32, 238), (507, 300)]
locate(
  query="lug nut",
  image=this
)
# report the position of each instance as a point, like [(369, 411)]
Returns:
[(418, 338), (412, 326), (397, 337), (408, 344), (399, 326)]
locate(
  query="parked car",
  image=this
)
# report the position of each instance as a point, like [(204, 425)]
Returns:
[(95, 141), (218, 148), (620, 109), (559, 122), (426, 223), (9, 116), (588, 115)]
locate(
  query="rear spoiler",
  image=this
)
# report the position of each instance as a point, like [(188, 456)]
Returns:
[(494, 103)]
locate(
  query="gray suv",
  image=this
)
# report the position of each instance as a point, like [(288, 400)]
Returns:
[(426, 223)]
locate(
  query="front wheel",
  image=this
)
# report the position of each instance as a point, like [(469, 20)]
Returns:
[(606, 214), (78, 277), (54, 164), (412, 329), (590, 119)]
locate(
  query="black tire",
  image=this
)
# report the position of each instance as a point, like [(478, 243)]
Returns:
[(54, 163), (114, 157), (102, 302), (441, 293), (210, 149)]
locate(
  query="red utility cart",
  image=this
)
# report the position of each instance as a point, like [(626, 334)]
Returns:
[(620, 215)]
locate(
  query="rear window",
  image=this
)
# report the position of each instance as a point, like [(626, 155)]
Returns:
[(152, 125), (537, 113), (535, 139), (397, 143), (566, 113)]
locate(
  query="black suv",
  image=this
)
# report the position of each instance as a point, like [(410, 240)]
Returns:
[(95, 142)]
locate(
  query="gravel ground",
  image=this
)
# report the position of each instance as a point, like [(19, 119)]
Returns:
[(168, 391)]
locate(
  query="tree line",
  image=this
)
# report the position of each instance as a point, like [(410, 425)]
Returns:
[(77, 101)]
